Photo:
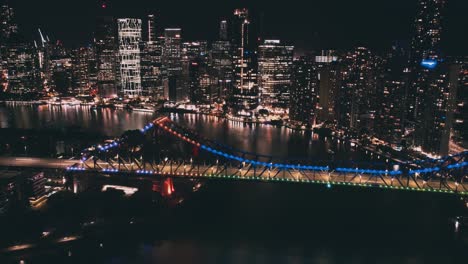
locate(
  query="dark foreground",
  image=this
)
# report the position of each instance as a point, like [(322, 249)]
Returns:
[(235, 222)]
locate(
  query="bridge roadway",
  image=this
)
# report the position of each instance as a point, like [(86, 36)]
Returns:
[(272, 174), (235, 172), (37, 163)]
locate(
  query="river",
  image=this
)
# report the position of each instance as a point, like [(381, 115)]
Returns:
[(245, 222)]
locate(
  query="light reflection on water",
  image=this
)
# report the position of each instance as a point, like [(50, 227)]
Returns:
[(106, 121), (262, 139)]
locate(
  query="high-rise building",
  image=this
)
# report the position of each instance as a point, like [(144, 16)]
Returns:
[(21, 67), (106, 52), (203, 84), (274, 73), (129, 32), (245, 92), (172, 50), (59, 71), (460, 127), (222, 65), (18, 58), (223, 30), (427, 87), (390, 96), (7, 25), (357, 92), (173, 65), (304, 87), (81, 70), (151, 69), (328, 71), (151, 62), (153, 32)]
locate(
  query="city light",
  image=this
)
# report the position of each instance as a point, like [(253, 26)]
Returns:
[(429, 64)]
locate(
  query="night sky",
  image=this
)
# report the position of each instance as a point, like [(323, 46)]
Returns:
[(308, 24)]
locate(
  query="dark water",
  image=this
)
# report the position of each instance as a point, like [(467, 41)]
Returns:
[(244, 222), (106, 121)]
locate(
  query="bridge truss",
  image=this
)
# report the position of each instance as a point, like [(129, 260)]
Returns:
[(150, 153)]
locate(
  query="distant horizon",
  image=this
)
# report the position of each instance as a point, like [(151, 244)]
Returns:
[(348, 25)]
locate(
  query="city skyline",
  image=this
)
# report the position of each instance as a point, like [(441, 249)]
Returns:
[(342, 26), (211, 131), (410, 94)]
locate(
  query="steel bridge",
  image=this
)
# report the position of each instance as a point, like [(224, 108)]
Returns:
[(150, 153)]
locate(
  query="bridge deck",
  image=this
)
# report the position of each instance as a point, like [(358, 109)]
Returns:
[(40, 163)]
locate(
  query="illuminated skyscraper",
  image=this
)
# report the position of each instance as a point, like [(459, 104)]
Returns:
[(153, 33), (7, 28), (245, 93), (81, 70), (328, 71), (151, 62), (174, 82), (390, 111), (461, 111), (304, 87), (18, 57), (7, 24), (222, 65), (223, 30), (129, 30), (172, 50), (274, 73), (356, 95), (428, 92), (106, 52), (21, 66)]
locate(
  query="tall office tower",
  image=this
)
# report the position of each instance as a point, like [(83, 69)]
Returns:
[(195, 67), (129, 31), (172, 50), (151, 61), (274, 73), (7, 25), (60, 69), (303, 92), (245, 93), (203, 84), (7, 29), (221, 62), (329, 80), (223, 30), (152, 28), (81, 70), (21, 66), (460, 127), (92, 69), (106, 52), (424, 96), (357, 93), (173, 65), (151, 69), (390, 104)]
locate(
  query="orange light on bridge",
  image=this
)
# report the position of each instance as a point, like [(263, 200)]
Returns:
[(168, 187)]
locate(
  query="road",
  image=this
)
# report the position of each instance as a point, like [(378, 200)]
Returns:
[(244, 173), (39, 163)]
